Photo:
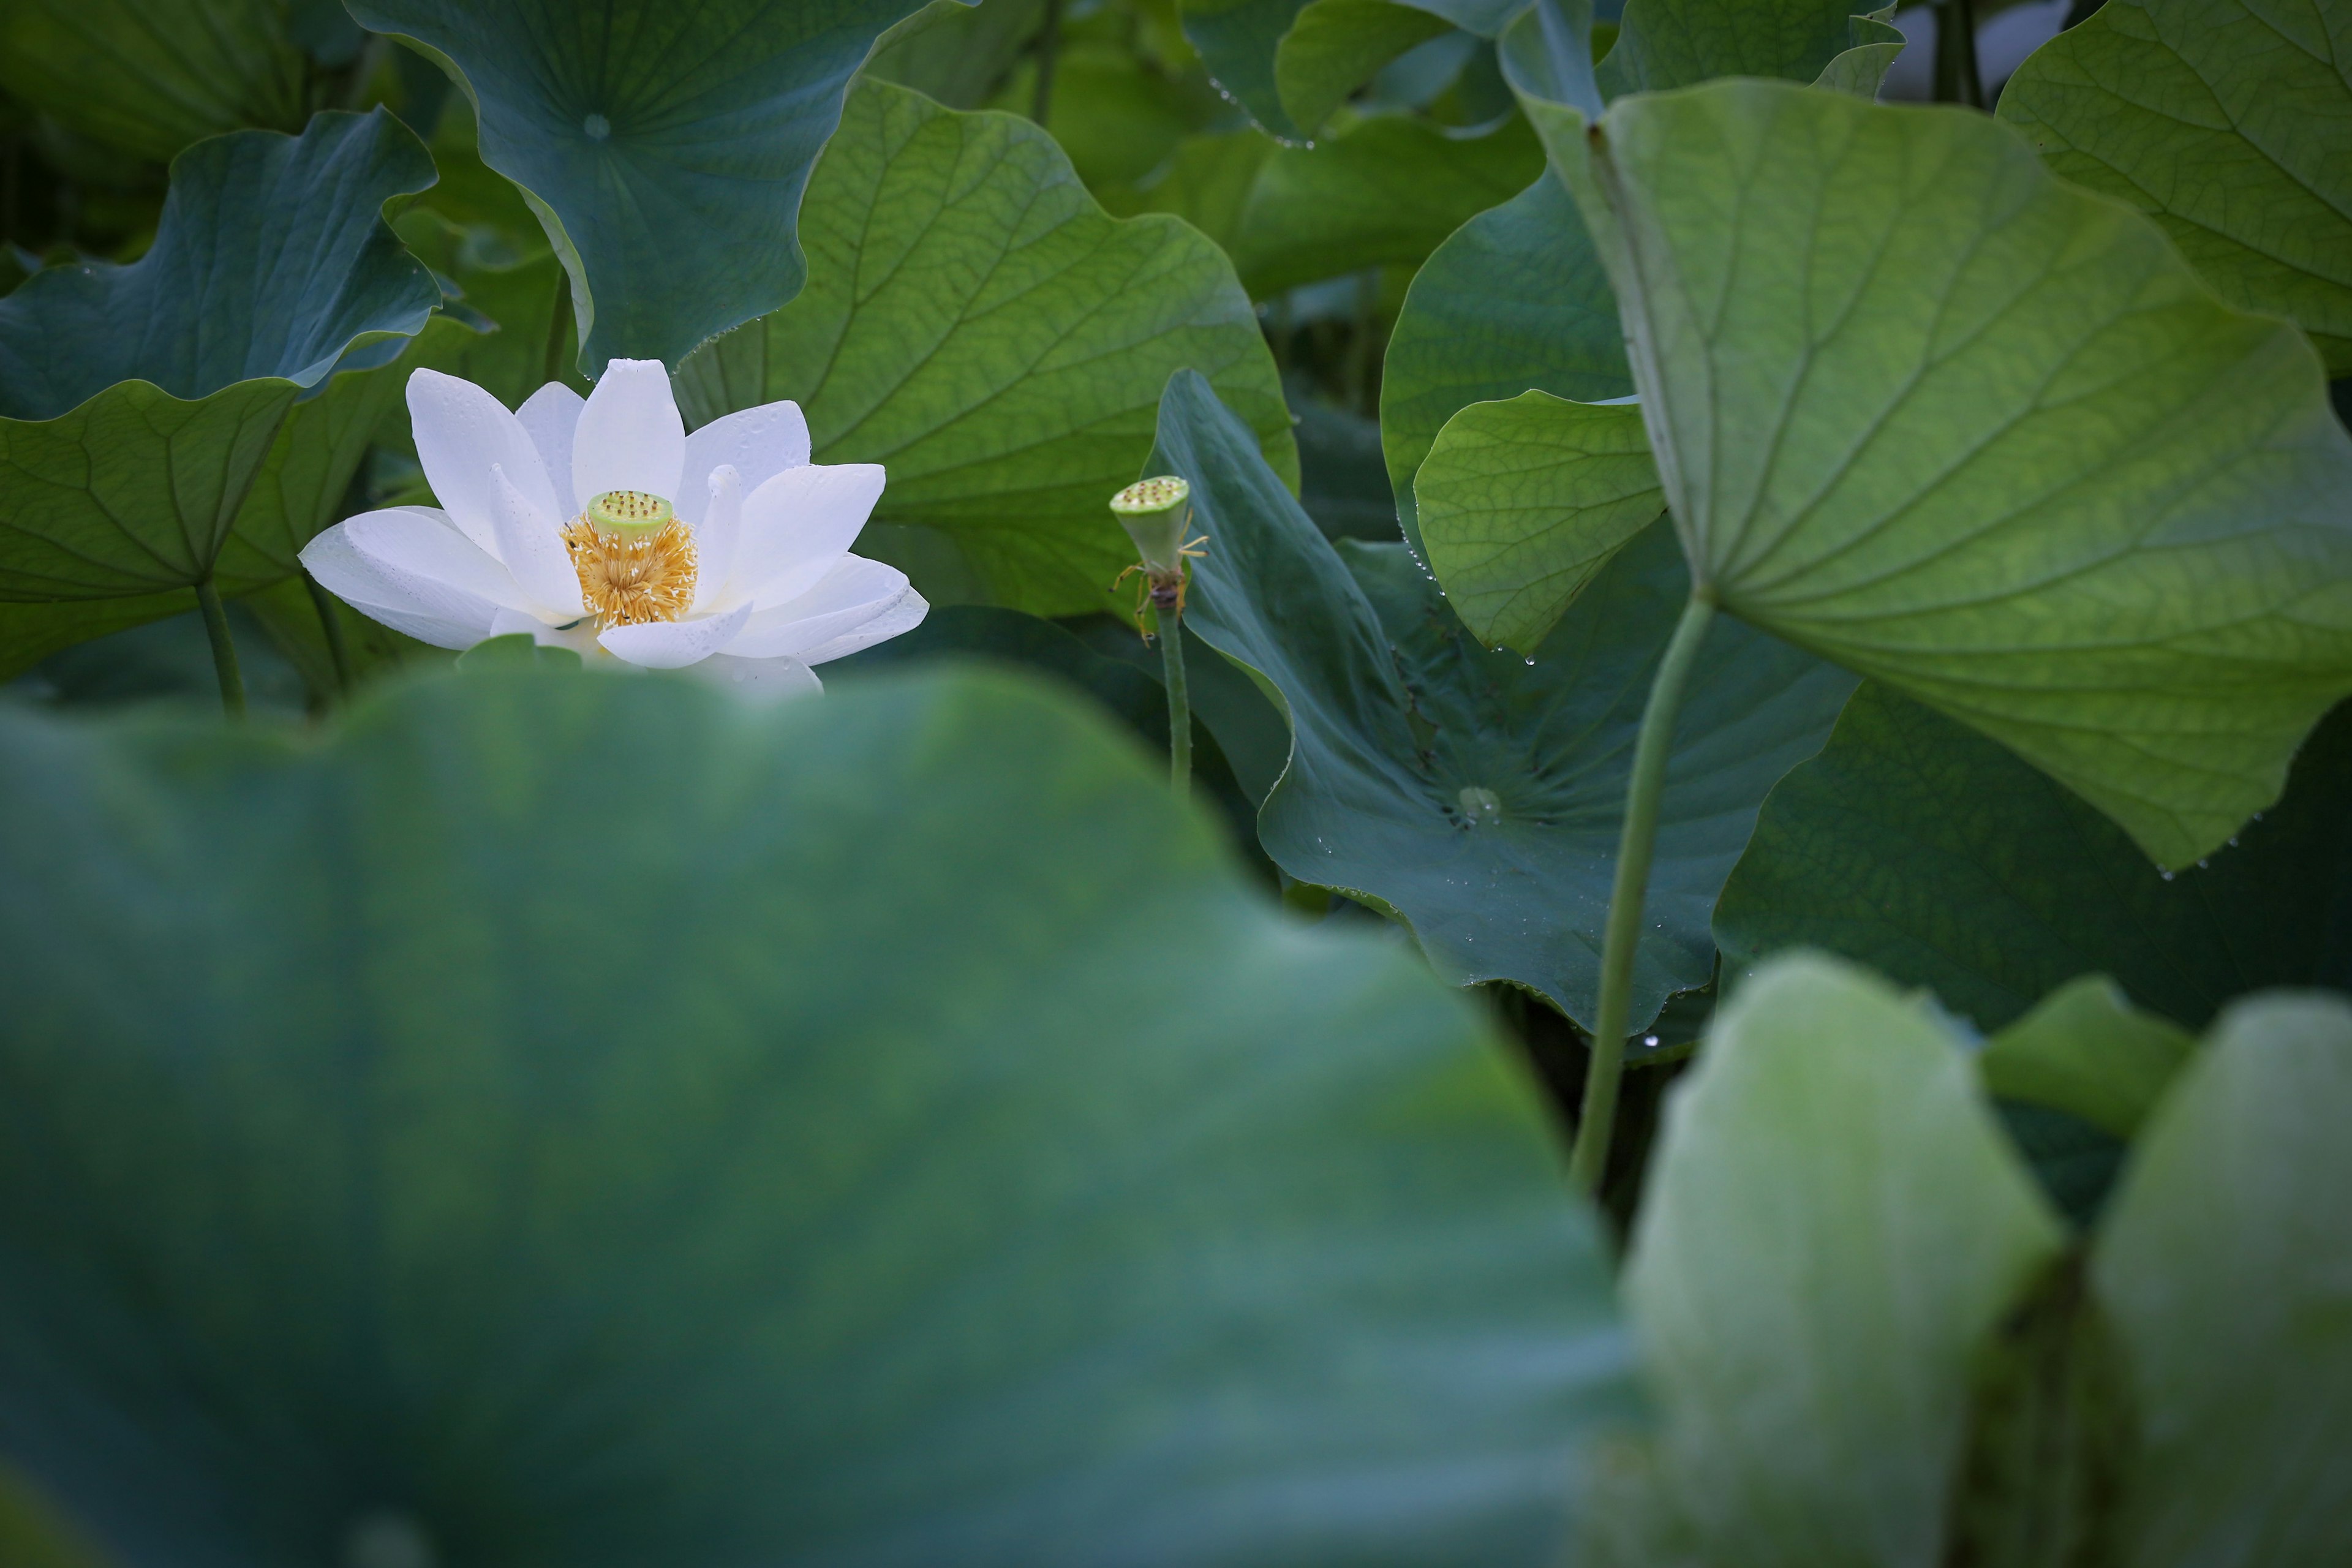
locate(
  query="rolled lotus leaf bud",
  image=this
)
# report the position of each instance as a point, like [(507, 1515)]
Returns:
[(1155, 513)]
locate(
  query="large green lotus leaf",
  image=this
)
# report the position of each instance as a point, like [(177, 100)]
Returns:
[(295, 492), (2085, 1050), (141, 403), (1335, 46), (2226, 121), (2224, 1266), (1479, 794), (1386, 190), (664, 144), (1514, 300), (1207, 182), (1923, 849), (148, 77), (1834, 1226), (571, 1118), (1923, 408), (977, 324), (1523, 502)]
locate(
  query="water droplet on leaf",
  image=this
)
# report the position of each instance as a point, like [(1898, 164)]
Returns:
[(597, 127)]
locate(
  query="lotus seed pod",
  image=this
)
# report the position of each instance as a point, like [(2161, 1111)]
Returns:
[(1155, 513), (633, 514)]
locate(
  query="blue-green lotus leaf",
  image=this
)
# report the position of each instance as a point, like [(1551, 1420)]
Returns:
[(664, 143), (1479, 794), (140, 405)]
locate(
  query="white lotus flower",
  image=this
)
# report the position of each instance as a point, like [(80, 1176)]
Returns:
[(603, 527)]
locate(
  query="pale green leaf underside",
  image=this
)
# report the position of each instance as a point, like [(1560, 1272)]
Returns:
[(148, 78), (1834, 1225), (2229, 122), (1479, 794), (665, 143), (1523, 502), (2087, 1050), (803, 1165), (976, 323), (1514, 300), (2224, 1266), (1925, 409)]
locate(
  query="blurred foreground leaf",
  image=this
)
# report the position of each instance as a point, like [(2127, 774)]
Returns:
[(579, 1118)]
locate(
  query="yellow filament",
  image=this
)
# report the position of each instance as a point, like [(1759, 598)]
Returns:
[(627, 582)]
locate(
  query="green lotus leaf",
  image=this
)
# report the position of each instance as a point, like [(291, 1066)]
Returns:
[(1523, 502), (1480, 795), (1923, 408), (1238, 40), (272, 261), (1207, 182), (1334, 47), (665, 146), (148, 79), (1834, 1226), (2225, 120), (1664, 44), (2085, 1050), (367, 1189), (1244, 43), (1919, 847), (976, 323), (1514, 300), (956, 52), (2221, 1266), (1387, 189)]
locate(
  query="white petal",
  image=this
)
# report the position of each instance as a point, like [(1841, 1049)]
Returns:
[(673, 645), (534, 554), (759, 442), (462, 433), (429, 611), (547, 417), (798, 526), (904, 615), (761, 679), (580, 635), (716, 534), (414, 550), (629, 436), (853, 593)]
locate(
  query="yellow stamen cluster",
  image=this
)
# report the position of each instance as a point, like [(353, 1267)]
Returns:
[(628, 579)]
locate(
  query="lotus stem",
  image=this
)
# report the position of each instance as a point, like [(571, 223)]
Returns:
[(1169, 612), (1049, 47), (1957, 79), (1597, 1123), (338, 652), (231, 684)]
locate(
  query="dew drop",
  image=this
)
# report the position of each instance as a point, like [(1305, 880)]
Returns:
[(1531, 663), (2167, 875), (2202, 864), (1480, 806), (597, 127), (1649, 1040), (2233, 844)]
